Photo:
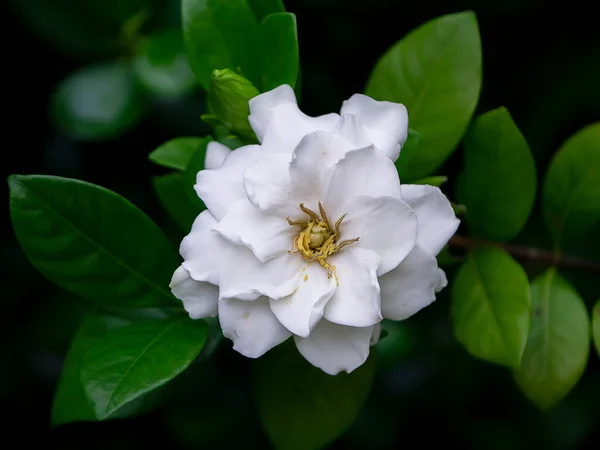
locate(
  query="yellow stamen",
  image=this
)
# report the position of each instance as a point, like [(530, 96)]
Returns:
[(318, 239)]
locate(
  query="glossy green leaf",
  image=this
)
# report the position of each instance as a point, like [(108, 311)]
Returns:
[(433, 181), (89, 28), (161, 65), (491, 307), (300, 406), (559, 342), (596, 326), (138, 358), (92, 242), (98, 102), (221, 34), (571, 189), (176, 153), (174, 197), (499, 176), (71, 404), (435, 71), (263, 8), (279, 43)]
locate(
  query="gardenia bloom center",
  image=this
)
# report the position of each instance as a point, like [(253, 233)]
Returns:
[(319, 239), (310, 234)]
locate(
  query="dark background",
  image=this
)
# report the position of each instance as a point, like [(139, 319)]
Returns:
[(541, 61)]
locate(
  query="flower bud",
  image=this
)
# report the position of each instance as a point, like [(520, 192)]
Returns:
[(229, 95)]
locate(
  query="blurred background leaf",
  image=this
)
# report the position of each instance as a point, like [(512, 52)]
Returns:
[(98, 102), (161, 65), (84, 28), (292, 396)]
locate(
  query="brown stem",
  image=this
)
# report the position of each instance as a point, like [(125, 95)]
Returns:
[(528, 253)]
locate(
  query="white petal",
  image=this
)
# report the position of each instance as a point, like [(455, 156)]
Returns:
[(385, 225), (376, 334), (437, 221), (289, 125), (220, 188), (279, 123), (266, 235), (199, 298), (442, 281), (385, 123), (335, 348), (261, 107), (251, 326), (204, 251), (234, 268), (350, 129), (315, 154), (268, 182), (356, 301), (302, 310), (215, 155), (246, 278), (360, 172), (409, 287)]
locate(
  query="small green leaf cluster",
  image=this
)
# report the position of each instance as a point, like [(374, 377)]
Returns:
[(132, 55)]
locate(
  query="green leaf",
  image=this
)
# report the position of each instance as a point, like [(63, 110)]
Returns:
[(263, 8), (70, 402), (280, 58), (138, 358), (412, 140), (221, 34), (571, 190), (491, 307), (195, 165), (92, 242), (435, 71), (98, 102), (433, 181), (176, 153), (499, 176), (300, 406), (559, 342), (173, 195), (596, 326), (161, 65)]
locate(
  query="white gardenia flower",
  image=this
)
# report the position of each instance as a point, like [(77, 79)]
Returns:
[(310, 233)]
